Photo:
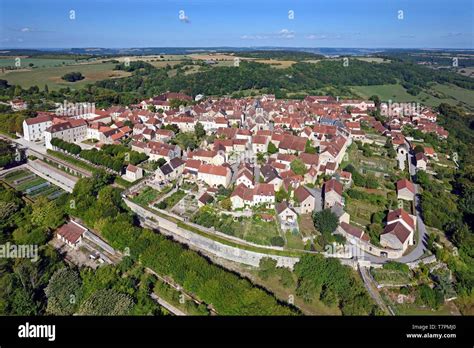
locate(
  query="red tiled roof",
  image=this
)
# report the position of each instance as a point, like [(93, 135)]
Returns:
[(354, 231), (401, 214), (71, 232), (213, 170), (333, 185), (38, 119), (400, 231), (404, 183)]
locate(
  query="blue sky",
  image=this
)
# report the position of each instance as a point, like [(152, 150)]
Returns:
[(238, 23)]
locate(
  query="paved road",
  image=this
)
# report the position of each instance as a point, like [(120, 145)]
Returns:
[(420, 246), (30, 144)]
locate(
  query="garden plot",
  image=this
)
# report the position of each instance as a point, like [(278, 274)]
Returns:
[(388, 277), (32, 185), (361, 211), (186, 207), (378, 165)]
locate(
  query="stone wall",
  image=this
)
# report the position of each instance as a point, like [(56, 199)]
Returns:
[(199, 242), (55, 176)]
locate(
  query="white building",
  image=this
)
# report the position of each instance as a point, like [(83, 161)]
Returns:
[(214, 175), (133, 173), (34, 128), (70, 131)]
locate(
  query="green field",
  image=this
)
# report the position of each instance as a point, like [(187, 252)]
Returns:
[(434, 96), (258, 231), (37, 62), (392, 277), (52, 75), (459, 94), (360, 211)]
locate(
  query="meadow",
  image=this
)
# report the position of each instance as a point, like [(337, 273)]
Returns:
[(433, 96), (51, 76)]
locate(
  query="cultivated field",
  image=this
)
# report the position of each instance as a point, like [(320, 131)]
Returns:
[(32, 185), (52, 76), (37, 62)]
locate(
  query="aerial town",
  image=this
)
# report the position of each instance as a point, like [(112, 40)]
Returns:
[(280, 159), (255, 182), (278, 171)]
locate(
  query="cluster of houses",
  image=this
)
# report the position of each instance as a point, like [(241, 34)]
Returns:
[(315, 131)]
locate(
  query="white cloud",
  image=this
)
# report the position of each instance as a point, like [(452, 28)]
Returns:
[(254, 37), (316, 37), (282, 34), (286, 34)]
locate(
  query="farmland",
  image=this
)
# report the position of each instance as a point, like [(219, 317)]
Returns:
[(37, 62), (51, 76)]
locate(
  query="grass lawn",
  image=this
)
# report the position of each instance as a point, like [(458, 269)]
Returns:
[(373, 59), (396, 92), (37, 62), (257, 231), (388, 276), (306, 225), (361, 211), (294, 241), (51, 76), (465, 96), (122, 182), (74, 161), (435, 95), (375, 164), (413, 309)]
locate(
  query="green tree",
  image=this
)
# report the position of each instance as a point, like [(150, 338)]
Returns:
[(73, 77), (47, 214), (298, 167), (199, 130), (226, 204), (63, 292), (419, 149), (267, 268), (309, 148), (272, 149), (325, 221), (281, 195), (286, 277), (106, 302)]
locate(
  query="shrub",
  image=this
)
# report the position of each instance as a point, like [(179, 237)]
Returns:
[(277, 241), (73, 77), (396, 266)]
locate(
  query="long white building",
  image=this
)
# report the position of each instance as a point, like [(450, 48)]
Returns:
[(70, 131), (34, 128)]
